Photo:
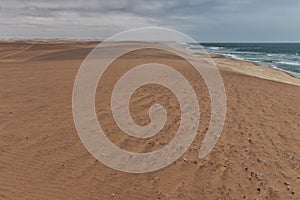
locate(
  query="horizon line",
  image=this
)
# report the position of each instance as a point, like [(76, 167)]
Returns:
[(97, 39)]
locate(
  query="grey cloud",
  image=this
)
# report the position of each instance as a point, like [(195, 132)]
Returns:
[(214, 20)]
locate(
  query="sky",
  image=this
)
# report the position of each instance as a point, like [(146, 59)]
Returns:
[(203, 20)]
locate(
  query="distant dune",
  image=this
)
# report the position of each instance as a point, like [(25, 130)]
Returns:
[(47, 40)]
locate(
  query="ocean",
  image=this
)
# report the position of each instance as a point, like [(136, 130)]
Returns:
[(281, 56)]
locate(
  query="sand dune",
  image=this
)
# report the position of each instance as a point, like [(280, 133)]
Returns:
[(42, 157)]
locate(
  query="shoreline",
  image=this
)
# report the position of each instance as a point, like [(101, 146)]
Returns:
[(251, 68), (234, 58), (258, 63), (260, 70)]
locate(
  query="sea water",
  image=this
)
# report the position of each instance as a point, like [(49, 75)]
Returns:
[(282, 56)]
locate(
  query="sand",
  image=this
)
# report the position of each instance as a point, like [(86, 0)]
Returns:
[(42, 157)]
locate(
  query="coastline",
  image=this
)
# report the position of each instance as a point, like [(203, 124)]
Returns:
[(258, 63), (280, 56), (254, 69)]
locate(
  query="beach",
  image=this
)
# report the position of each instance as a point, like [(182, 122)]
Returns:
[(42, 157)]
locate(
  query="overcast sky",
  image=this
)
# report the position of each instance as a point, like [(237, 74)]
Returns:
[(204, 20)]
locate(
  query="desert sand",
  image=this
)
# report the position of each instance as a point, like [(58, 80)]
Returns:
[(42, 157)]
